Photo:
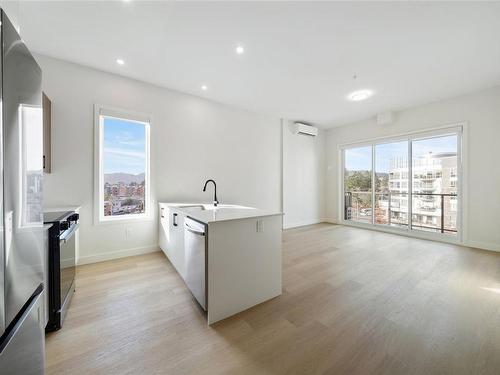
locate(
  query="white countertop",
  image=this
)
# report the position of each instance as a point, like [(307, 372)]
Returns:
[(223, 212)]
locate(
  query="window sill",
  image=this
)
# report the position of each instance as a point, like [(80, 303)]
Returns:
[(124, 220)]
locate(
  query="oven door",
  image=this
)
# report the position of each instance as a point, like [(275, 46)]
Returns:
[(67, 262)]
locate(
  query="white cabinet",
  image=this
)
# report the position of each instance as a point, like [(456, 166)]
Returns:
[(172, 237), (229, 256)]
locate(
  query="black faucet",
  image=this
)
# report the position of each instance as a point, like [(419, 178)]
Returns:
[(216, 202)]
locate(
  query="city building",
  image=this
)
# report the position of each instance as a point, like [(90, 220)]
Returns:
[(434, 192)]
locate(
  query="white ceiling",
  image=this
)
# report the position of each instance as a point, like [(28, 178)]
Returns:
[(300, 57)]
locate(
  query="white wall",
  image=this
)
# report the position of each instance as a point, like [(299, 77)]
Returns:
[(192, 139), (303, 177), (11, 8), (481, 111)]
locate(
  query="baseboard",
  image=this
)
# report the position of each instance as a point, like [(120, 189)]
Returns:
[(302, 223), (483, 245), (109, 255), (331, 221)]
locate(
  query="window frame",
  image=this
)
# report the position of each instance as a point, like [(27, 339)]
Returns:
[(101, 111), (458, 129)]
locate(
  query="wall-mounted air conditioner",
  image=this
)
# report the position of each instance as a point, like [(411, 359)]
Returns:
[(301, 128)]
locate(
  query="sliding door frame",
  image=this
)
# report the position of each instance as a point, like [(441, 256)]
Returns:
[(458, 129)]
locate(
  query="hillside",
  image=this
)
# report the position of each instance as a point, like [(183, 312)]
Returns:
[(126, 178)]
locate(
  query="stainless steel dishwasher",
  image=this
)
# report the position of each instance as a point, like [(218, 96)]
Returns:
[(195, 247)]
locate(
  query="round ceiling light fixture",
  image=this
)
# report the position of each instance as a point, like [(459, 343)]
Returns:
[(240, 50), (120, 62), (204, 87), (360, 95)]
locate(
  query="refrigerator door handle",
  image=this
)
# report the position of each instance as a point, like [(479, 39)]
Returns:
[(20, 318), (24, 335)]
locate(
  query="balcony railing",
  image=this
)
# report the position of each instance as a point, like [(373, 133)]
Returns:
[(391, 208)]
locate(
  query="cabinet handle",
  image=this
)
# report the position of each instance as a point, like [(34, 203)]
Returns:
[(162, 212), (174, 220)]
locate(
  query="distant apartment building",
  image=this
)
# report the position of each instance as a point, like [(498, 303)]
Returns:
[(434, 193), (121, 198), (122, 189), (140, 190), (108, 208)]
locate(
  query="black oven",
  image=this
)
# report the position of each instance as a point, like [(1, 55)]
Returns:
[(61, 264)]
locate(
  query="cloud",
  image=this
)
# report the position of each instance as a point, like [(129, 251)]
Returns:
[(124, 152), (132, 143)]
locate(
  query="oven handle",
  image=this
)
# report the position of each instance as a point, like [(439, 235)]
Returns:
[(67, 234)]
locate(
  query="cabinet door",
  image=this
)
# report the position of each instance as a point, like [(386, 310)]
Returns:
[(177, 241), (164, 229), (171, 237), (47, 124)]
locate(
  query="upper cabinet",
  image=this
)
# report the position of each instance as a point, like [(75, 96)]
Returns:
[(47, 121)]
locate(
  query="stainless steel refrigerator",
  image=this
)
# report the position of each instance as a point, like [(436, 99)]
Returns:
[(22, 349)]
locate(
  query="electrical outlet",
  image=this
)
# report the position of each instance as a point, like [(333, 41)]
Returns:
[(260, 225)]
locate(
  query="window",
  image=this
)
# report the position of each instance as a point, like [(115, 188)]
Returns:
[(428, 163), (122, 166), (358, 184), (30, 138), (433, 156), (391, 164)]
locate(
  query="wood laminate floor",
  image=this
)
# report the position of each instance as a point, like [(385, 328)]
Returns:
[(354, 302)]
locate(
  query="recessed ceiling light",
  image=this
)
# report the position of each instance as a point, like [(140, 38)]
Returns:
[(120, 61), (359, 95), (240, 50), (204, 87)]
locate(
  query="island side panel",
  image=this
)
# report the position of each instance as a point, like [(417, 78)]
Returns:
[(244, 266)]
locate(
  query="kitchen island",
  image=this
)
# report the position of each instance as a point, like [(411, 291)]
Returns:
[(229, 256)]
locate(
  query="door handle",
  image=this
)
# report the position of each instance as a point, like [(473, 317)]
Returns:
[(174, 220)]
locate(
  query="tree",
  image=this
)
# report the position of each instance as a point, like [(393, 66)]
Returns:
[(358, 181)]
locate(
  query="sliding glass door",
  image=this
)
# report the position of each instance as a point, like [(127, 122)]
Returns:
[(411, 184), (391, 193), (435, 190), (358, 184)]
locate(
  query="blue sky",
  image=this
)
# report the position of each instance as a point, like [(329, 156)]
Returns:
[(360, 158), (124, 146)]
